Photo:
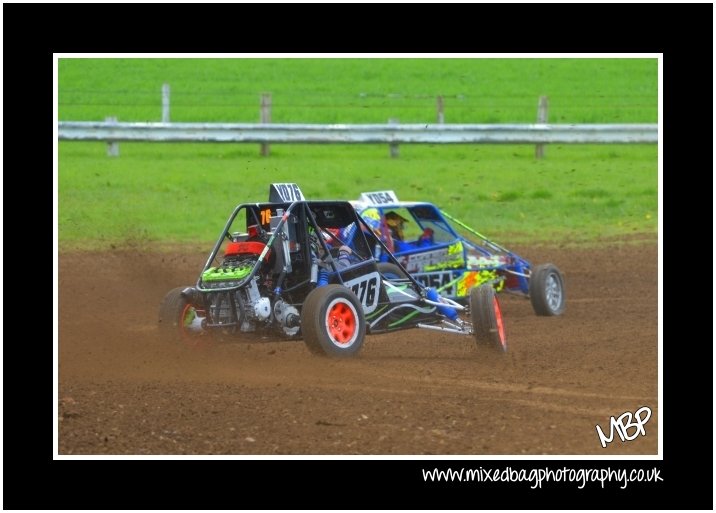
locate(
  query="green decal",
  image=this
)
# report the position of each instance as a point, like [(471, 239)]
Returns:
[(376, 313), (226, 273), (455, 259), (454, 264), (404, 319)]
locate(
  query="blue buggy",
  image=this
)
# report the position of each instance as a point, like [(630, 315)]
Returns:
[(441, 252)]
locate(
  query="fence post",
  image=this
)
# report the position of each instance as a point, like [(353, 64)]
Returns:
[(542, 114), (112, 146), (165, 103), (394, 147), (441, 110), (265, 118)]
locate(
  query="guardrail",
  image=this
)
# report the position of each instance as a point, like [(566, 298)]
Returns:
[(393, 134), (388, 133)]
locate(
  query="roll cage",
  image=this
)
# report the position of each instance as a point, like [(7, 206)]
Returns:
[(285, 229)]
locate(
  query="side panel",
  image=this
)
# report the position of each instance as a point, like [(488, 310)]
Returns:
[(457, 284), (443, 281), (446, 257), (367, 288)]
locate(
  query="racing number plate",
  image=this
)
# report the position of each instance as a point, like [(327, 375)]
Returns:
[(367, 289)]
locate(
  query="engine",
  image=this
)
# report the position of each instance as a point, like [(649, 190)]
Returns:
[(241, 309), (249, 307), (256, 308)]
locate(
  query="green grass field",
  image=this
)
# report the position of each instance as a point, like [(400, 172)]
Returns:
[(183, 192)]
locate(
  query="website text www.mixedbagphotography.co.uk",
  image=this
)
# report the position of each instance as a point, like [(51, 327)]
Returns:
[(538, 476)]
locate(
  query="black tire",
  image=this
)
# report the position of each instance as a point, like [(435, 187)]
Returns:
[(307, 328), (332, 322), (179, 320), (391, 271), (487, 318), (547, 293)]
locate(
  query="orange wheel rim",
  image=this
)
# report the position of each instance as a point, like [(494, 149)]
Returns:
[(341, 322), (500, 325)]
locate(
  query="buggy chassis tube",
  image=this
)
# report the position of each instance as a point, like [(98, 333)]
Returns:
[(447, 302), (457, 331), (329, 260), (392, 258), (260, 260), (516, 273), (475, 232)]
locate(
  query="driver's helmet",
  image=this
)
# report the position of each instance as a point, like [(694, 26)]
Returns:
[(371, 216), (395, 222)]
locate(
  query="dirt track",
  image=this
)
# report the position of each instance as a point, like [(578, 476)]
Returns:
[(121, 391)]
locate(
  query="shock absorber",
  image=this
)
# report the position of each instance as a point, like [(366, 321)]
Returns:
[(322, 278), (314, 272), (318, 276)]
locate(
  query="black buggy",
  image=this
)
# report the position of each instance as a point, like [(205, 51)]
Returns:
[(283, 267)]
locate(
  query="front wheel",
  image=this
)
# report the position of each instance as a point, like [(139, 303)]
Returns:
[(332, 321), (547, 293), (180, 320), (487, 318)]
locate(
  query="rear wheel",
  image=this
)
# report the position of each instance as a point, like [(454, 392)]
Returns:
[(487, 318), (547, 293), (332, 321), (181, 321)]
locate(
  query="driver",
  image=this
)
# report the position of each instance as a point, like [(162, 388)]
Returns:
[(344, 253), (396, 223)]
